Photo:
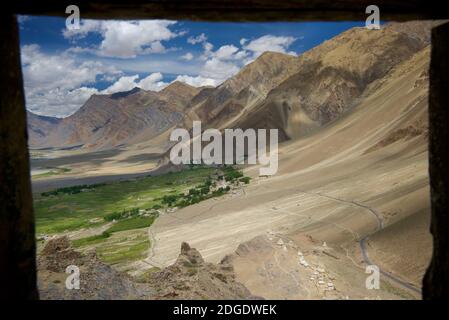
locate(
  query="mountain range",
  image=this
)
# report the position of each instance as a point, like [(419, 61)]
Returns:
[(294, 94), (352, 187)]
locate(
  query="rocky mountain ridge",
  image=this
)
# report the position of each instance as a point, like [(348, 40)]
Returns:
[(296, 95)]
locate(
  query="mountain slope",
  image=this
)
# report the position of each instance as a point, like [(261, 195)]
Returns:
[(332, 77), (179, 94), (372, 158), (39, 127), (107, 121), (248, 87)]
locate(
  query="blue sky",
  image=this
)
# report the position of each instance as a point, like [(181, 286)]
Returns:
[(62, 68)]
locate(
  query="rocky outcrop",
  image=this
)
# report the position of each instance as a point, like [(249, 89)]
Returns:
[(97, 280), (190, 277)]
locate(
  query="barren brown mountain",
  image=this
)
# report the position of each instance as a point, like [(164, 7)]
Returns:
[(39, 128), (294, 94), (331, 78), (245, 89), (107, 121)]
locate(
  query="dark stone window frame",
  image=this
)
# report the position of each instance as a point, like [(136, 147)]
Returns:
[(17, 237)]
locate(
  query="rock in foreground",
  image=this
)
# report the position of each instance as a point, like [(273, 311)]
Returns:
[(190, 277)]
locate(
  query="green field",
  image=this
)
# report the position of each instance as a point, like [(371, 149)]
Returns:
[(124, 210), (66, 211), (119, 248)]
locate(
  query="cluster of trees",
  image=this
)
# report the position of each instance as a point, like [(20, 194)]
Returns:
[(204, 191), (71, 190), (122, 215), (194, 195), (231, 174), (245, 180)]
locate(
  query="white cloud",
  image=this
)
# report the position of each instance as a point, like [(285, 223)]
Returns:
[(218, 69), (126, 39), (227, 60), (207, 46), (59, 102), (269, 43), (51, 71), (86, 26), (198, 39), (60, 84), (168, 64), (22, 19), (197, 81), (188, 56), (56, 84), (125, 83), (152, 82), (226, 52), (229, 52)]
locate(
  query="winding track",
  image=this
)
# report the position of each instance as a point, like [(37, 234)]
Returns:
[(364, 239)]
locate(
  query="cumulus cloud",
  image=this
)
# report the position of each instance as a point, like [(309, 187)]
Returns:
[(59, 102), (269, 43), (207, 47), (188, 56), (227, 52), (198, 39), (124, 83), (197, 81), (21, 19), (126, 39), (57, 84), (152, 82), (228, 59), (218, 69)]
